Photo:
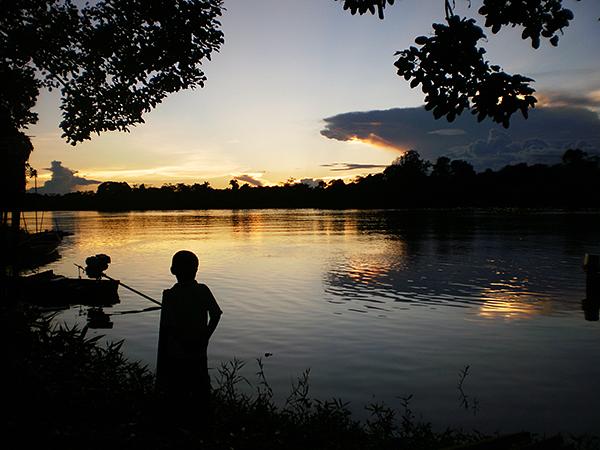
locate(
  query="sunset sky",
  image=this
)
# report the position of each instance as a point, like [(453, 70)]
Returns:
[(303, 89)]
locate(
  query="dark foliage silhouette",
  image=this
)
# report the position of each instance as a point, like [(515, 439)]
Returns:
[(408, 168), (112, 60), (409, 182), (450, 66), (89, 394), (454, 76)]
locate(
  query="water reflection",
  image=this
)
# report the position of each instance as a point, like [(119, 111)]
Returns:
[(382, 303), (513, 301), (485, 263), (385, 260)]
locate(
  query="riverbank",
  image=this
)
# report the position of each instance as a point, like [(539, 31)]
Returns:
[(409, 182), (64, 389)]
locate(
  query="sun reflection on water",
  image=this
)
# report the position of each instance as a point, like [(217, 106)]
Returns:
[(511, 299)]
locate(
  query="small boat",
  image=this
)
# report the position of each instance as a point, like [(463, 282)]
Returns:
[(48, 289), (34, 249), (23, 250)]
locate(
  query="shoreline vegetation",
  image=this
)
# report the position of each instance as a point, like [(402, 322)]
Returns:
[(409, 182), (65, 389)]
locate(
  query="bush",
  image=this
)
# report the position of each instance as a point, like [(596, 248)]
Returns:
[(63, 389)]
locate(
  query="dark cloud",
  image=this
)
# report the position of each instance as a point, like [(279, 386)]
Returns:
[(334, 167), (542, 138), (250, 180), (499, 149), (63, 180)]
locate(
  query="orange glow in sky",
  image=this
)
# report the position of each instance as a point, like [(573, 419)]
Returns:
[(376, 141)]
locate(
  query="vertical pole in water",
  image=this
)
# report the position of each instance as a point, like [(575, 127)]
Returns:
[(24, 221), (35, 185), (591, 265)]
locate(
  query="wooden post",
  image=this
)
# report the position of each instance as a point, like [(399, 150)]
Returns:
[(591, 266)]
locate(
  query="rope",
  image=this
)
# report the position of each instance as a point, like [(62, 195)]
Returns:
[(147, 297)]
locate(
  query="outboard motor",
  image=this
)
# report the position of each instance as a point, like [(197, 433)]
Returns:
[(96, 265)]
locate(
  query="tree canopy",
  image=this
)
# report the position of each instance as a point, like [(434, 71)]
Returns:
[(409, 182), (115, 60), (112, 60), (450, 65)]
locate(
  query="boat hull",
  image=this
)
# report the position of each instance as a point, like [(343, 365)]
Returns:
[(47, 289)]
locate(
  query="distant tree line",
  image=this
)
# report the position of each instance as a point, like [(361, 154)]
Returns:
[(409, 182)]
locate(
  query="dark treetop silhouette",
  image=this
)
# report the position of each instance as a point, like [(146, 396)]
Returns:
[(112, 61), (408, 182), (451, 69)]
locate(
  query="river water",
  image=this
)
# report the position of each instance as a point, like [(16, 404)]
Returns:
[(379, 305)]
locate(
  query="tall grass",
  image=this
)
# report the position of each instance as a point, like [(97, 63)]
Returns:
[(63, 389)]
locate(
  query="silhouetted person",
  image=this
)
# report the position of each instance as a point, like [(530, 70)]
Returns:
[(188, 318)]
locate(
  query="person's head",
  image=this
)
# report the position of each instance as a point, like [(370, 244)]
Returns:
[(184, 265)]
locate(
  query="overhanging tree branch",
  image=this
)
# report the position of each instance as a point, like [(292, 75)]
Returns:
[(449, 65), (115, 59)]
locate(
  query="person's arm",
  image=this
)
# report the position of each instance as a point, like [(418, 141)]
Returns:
[(214, 313), (163, 337), (213, 321)]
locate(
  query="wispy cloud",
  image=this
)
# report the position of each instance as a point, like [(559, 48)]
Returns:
[(448, 132), (335, 167)]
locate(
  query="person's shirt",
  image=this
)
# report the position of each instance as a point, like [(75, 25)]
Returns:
[(186, 309)]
